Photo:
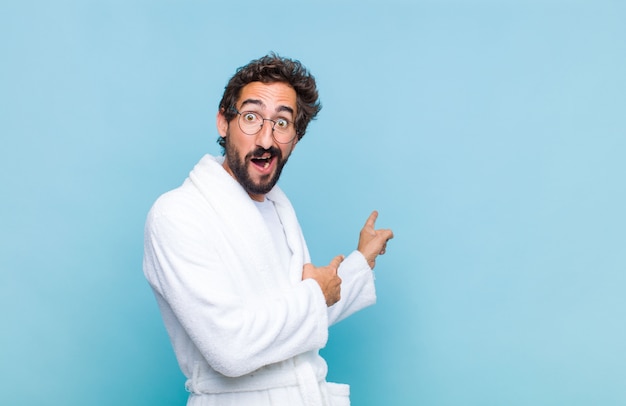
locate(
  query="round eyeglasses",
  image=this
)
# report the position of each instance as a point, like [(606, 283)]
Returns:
[(251, 122)]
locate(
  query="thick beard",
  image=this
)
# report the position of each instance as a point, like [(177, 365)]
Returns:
[(240, 168)]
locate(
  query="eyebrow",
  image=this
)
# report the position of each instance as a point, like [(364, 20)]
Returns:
[(257, 102)]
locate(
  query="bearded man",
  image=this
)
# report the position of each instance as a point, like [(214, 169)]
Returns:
[(245, 309)]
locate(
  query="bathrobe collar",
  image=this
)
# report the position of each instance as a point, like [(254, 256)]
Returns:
[(245, 225)]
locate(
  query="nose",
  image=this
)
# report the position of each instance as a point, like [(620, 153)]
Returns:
[(265, 138)]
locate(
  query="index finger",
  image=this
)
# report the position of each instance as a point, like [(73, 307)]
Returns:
[(371, 220)]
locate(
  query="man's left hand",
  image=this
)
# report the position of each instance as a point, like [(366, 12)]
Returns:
[(373, 242)]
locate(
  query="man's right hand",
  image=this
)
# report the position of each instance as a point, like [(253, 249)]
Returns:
[(327, 278)]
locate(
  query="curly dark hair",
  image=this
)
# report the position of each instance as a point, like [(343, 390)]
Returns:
[(269, 69)]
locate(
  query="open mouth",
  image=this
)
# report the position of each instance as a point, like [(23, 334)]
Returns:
[(263, 162)]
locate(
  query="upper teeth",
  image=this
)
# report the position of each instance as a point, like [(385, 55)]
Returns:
[(265, 160)]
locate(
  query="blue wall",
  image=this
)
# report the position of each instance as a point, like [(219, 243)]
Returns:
[(490, 135)]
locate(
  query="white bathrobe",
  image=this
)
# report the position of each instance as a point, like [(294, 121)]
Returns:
[(245, 330)]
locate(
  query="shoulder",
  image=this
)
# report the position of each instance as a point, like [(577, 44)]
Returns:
[(180, 209), (175, 200)]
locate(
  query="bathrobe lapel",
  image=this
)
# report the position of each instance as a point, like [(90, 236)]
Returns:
[(245, 228), (293, 232)]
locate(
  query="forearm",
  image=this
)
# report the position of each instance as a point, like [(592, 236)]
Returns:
[(237, 335), (357, 288)]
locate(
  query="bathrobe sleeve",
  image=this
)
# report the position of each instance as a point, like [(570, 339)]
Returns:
[(237, 320), (357, 288)]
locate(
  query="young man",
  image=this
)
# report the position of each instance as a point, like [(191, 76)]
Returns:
[(245, 309)]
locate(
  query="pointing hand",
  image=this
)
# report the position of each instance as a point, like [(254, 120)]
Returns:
[(373, 242)]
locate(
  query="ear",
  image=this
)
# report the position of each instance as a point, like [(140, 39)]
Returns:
[(295, 142), (222, 124)]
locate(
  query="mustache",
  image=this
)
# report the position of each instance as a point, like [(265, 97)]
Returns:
[(260, 151)]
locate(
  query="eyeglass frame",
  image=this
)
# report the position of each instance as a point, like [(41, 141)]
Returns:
[(240, 114)]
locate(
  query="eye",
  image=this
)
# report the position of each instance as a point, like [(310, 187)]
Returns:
[(250, 117), (282, 123)]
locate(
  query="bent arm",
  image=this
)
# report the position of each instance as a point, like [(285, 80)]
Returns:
[(356, 272), (236, 324)]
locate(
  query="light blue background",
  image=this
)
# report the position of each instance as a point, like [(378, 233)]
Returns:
[(490, 135)]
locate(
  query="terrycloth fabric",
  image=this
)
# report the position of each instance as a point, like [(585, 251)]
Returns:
[(239, 322)]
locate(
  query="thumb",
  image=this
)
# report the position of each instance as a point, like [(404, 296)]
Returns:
[(336, 262)]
